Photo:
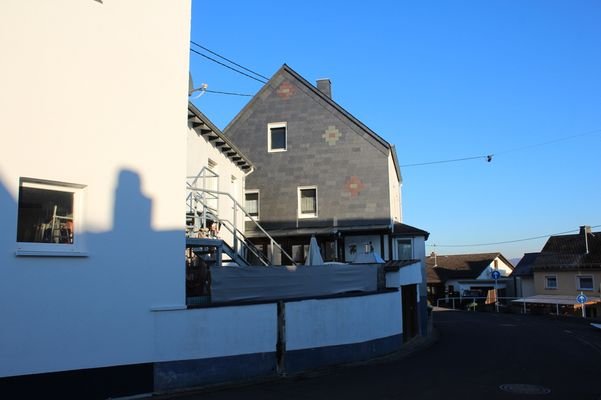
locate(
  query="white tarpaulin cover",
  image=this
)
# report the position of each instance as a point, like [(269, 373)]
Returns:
[(284, 282), (368, 258)]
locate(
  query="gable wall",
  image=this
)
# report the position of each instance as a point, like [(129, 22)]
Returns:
[(349, 156), (93, 93), (504, 269)]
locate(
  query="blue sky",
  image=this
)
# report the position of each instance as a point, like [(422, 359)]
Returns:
[(442, 80)]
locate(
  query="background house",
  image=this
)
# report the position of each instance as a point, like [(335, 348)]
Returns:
[(567, 266), (466, 275), (321, 172)]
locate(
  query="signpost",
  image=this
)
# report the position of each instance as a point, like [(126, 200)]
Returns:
[(581, 299), (496, 275)]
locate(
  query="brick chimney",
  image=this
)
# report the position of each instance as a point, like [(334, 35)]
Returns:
[(325, 87)]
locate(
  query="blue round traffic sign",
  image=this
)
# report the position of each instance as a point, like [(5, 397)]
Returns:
[(581, 298), (496, 274)]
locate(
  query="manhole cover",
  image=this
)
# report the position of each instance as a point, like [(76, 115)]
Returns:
[(524, 388)]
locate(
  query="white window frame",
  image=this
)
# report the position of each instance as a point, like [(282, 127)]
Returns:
[(271, 126), (75, 249), (395, 248), (257, 191), (547, 282), (298, 197), (585, 276)]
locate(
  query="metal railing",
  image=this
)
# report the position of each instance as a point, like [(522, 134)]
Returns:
[(472, 306), (248, 246), (200, 195)]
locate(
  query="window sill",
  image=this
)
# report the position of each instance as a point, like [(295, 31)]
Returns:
[(46, 253), (307, 216)]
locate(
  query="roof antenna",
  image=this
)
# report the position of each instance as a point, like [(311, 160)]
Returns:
[(202, 89)]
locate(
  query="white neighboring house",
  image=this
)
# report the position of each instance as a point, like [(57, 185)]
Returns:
[(216, 172), (91, 180), (466, 274)]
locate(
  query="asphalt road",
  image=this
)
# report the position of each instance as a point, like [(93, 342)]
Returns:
[(474, 356)]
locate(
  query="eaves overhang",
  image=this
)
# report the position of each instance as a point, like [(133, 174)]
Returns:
[(205, 128)]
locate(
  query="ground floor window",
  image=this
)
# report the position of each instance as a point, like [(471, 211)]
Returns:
[(307, 202), (252, 203), (585, 282), (49, 215), (403, 249), (550, 282)]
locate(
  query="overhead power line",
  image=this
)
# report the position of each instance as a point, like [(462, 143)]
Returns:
[(561, 139), (486, 157), (227, 66), (506, 241), (230, 61), (228, 93), (490, 156)]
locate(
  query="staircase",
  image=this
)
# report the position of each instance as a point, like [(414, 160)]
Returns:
[(203, 202)]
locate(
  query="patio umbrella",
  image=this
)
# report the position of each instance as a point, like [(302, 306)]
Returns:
[(314, 255)]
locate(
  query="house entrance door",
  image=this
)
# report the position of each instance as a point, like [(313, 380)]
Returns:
[(409, 307)]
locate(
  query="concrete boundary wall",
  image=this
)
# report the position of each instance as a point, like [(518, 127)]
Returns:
[(237, 343)]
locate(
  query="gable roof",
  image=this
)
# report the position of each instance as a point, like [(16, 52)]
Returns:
[(270, 85), (568, 252), (204, 127), (524, 267), (459, 266)]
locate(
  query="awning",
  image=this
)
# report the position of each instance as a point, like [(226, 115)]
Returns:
[(556, 299)]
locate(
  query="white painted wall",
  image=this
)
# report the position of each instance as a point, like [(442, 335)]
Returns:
[(215, 332), (94, 94), (329, 322), (199, 151), (396, 212), (527, 287)]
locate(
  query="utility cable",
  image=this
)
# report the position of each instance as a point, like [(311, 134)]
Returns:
[(488, 158), (227, 66), (230, 61), (228, 93), (506, 241)]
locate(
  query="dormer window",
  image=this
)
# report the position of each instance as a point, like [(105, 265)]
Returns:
[(277, 139)]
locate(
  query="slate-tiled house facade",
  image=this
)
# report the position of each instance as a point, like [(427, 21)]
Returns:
[(320, 171)]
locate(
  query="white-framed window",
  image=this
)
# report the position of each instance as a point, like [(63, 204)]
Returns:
[(50, 218), (550, 282), (403, 249), (277, 137), (307, 201), (251, 203), (585, 282)]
